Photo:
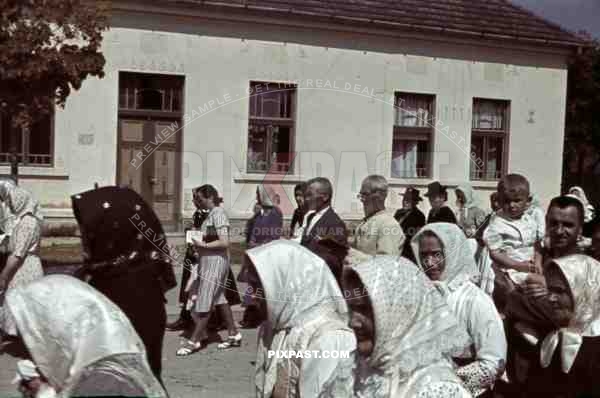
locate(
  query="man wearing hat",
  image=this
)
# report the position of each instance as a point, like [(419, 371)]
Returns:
[(411, 219), (437, 195)]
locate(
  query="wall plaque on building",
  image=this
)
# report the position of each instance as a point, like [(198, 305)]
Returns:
[(86, 139)]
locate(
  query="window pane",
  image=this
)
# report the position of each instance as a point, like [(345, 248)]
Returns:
[(489, 114), (271, 100), (493, 165), (423, 163), (477, 172), (410, 159), (280, 156), (150, 99), (150, 92), (277, 140), (40, 137), (413, 110), (257, 148)]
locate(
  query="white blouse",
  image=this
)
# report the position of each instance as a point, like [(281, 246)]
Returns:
[(477, 312)]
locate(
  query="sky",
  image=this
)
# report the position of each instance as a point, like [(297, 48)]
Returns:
[(573, 15)]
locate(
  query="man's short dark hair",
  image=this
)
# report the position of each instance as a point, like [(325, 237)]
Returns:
[(300, 187), (562, 202), (324, 186)]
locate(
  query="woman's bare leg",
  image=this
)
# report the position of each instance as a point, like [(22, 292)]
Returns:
[(201, 321), (228, 318)]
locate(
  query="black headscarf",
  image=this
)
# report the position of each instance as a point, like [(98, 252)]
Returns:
[(120, 230)]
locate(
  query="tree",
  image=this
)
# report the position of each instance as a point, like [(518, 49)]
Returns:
[(47, 48), (582, 125)]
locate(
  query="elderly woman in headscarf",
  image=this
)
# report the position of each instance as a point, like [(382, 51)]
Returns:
[(588, 209), (470, 216), (443, 253), (405, 332), (23, 264), (304, 310), (268, 222), (589, 214), (81, 343), (266, 226), (126, 258), (570, 352)]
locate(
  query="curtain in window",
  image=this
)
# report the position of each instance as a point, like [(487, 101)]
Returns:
[(404, 162)]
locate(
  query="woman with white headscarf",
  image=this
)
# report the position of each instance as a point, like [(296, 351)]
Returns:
[(470, 216), (23, 264), (589, 213), (570, 354), (304, 310), (443, 253), (266, 225), (588, 209), (405, 332), (82, 343)]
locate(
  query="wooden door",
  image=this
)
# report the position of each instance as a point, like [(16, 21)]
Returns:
[(150, 165)]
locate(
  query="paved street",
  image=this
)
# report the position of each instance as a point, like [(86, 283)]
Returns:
[(209, 373)]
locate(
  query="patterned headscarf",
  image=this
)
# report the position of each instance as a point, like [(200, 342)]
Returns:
[(467, 190), (265, 196), (301, 293), (67, 325), (116, 223), (582, 273), (588, 209), (458, 254), (19, 202), (414, 327)]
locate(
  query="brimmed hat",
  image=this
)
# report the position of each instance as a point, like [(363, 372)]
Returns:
[(435, 189), (412, 194)]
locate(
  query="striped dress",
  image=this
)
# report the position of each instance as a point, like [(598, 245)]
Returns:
[(214, 265)]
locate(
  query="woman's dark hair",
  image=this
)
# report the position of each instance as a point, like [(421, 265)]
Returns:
[(208, 191)]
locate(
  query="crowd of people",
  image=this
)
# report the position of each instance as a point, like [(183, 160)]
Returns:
[(461, 303)]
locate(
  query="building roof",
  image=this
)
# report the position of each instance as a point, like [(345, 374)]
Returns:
[(498, 19)]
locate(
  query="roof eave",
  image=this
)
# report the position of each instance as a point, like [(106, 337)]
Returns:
[(339, 21)]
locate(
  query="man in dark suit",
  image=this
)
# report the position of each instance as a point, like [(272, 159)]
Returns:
[(411, 219), (439, 212), (325, 234)]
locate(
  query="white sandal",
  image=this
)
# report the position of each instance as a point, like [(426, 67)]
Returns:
[(232, 341), (190, 347)]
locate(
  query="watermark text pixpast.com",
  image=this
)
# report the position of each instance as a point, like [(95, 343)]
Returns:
[(288, 354)]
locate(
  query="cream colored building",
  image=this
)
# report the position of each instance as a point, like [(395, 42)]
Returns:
[(409, 94)]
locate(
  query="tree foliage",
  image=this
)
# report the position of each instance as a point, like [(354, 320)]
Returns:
[(47, 49), (582, 125)]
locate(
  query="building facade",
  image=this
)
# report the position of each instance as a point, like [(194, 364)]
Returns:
[(245, 93)]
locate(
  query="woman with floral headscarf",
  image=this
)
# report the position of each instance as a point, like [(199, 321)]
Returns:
[(570, 354), (23, 264), (304, 311), (470, 216), (126, 258), (81, 342), (405, 332), (266, 226), (444, 254)]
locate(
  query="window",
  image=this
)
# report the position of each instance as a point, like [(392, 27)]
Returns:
[(489, 139), (271, 127), (412, 138), (33, 149), (141, 91)]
